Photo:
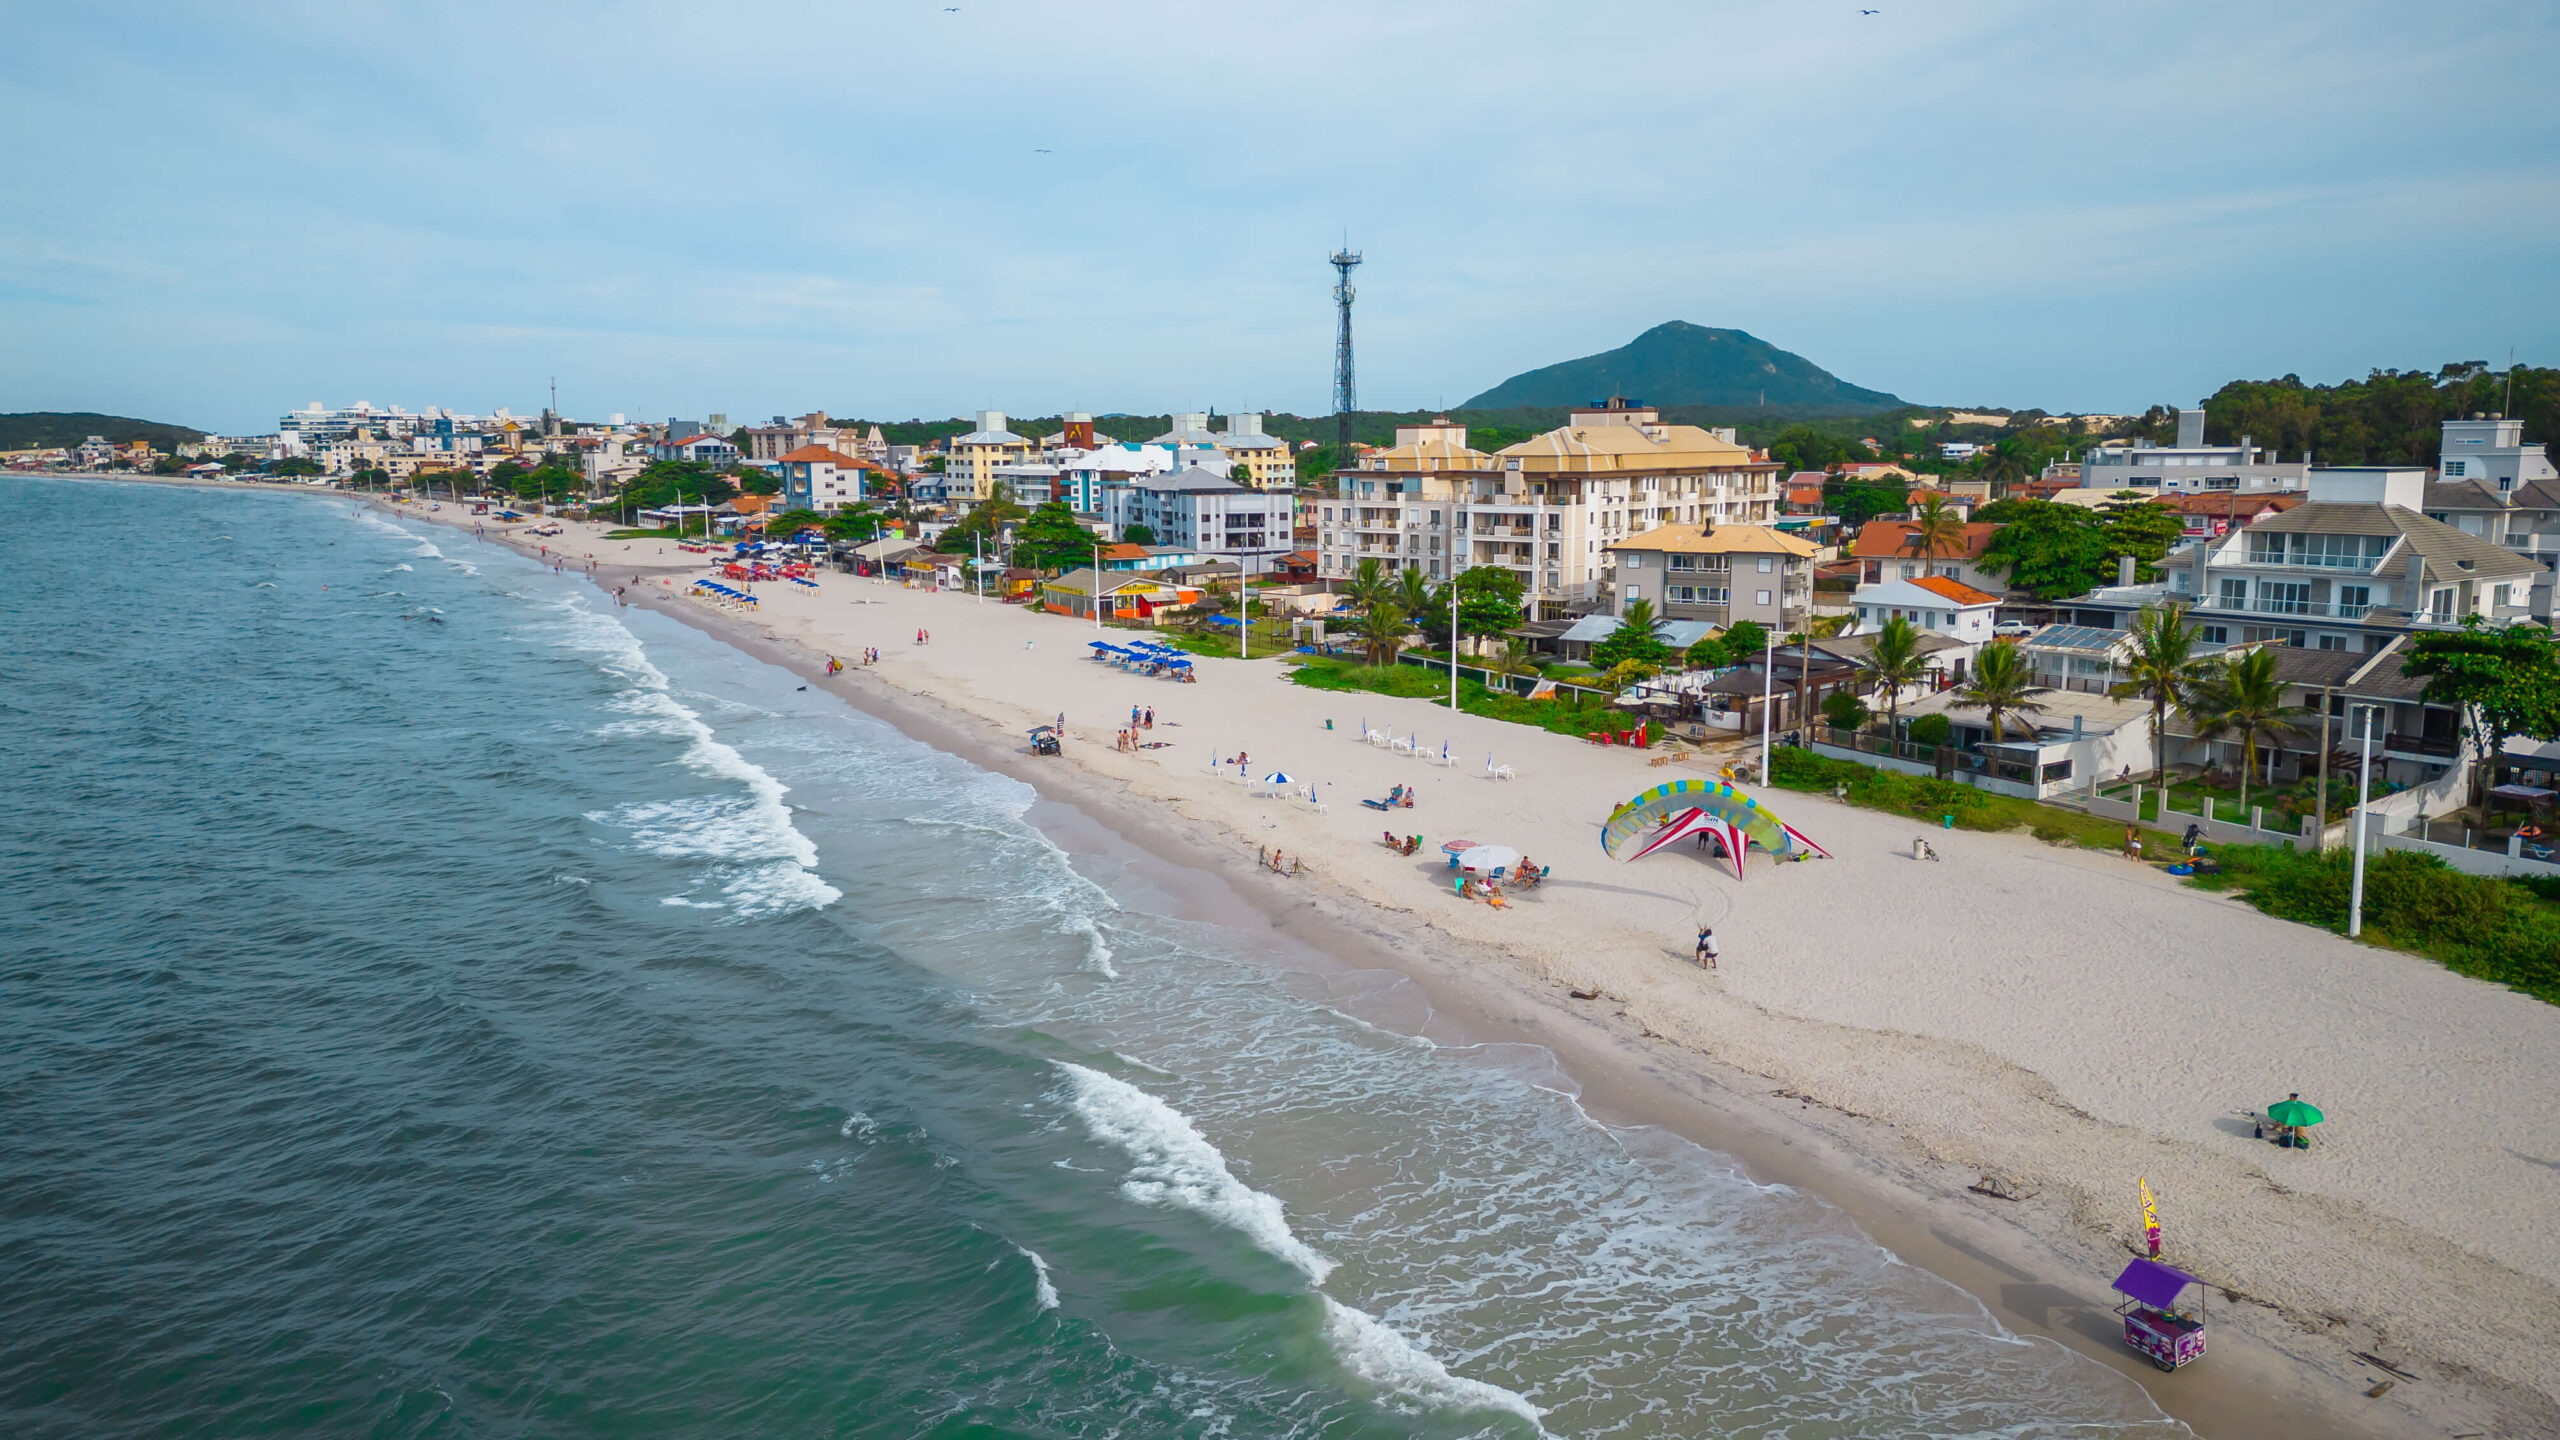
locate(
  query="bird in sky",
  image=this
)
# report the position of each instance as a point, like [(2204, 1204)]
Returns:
[(1870, 12), (1044, 152)]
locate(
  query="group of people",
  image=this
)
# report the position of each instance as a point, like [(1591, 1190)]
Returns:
[(924, 637), (1401, 844), (870, 656), (1142, 717), (1272, 860), (1489, 891)]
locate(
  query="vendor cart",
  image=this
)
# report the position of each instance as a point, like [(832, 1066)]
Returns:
[(2155, 1322)]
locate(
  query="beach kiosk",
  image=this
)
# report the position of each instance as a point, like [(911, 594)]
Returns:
[(2155, 1323)]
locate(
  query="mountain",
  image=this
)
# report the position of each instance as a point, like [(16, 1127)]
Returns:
[(1677, 363), (45, 429)]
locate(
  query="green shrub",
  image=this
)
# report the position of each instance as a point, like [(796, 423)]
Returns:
[(2488, 928), (1844, 710), (1932, 730)]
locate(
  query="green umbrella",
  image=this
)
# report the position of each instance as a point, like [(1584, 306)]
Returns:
[(2293, 1112)]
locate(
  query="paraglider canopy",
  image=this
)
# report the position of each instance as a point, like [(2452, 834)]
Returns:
[(1669, 812)]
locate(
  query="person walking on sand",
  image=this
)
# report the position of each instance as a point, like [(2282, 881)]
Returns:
[(1706, 948), (1151, 717), (2132, 843)]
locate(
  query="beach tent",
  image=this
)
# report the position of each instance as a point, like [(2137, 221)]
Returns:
[(1668, 813)]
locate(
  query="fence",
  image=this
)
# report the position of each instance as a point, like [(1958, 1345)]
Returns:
[(1989, 772), (1516, 684)]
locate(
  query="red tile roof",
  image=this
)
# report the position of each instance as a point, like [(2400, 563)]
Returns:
[(1955, 590), (1884, 538), (821, 455)]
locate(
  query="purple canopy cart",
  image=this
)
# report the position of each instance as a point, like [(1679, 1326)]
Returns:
[(2154, 1322)]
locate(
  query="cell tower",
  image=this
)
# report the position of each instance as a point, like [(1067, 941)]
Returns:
[(1346, 396)]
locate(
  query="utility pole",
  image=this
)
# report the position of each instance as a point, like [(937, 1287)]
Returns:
[(2320, 802), (1346, 397), (1768, 678), (2364, 784)]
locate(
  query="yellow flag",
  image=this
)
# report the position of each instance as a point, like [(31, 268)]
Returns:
[(2150, 1207)]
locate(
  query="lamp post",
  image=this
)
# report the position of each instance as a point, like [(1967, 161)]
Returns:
[(1097, 585), (2364, 784), (1768, 680)]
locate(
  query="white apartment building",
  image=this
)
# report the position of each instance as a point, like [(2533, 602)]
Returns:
[(2491, 484), (2190, 467), (1547, 508), (1202, 510)]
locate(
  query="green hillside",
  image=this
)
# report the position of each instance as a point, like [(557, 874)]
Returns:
[(1678, 363), (45, 429)]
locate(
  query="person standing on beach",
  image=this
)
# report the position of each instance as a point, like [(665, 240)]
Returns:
[(1151, 717), (1706, 949)]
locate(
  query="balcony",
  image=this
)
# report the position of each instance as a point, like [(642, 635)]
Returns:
[(2293, 609), (2357, 564)]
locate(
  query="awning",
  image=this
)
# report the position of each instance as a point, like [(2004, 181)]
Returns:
[(2153, 1283)]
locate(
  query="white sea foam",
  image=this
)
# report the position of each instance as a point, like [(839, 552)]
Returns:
[(1097, 951), (1040, 1286), (264, 585), (1404, 1374), (1173, 1166), (691, 904), (427, 551), (403, 565), (767, 865)]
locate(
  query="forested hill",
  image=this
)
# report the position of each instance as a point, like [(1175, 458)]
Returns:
[(1683, 364), (2390, 417), (45, 429)]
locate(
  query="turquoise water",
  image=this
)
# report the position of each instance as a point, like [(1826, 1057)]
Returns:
[(435, 1001)]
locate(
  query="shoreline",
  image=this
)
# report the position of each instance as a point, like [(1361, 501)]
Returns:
[(2038, 1267)]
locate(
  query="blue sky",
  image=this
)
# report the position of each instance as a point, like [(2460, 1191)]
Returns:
[(220, 211)]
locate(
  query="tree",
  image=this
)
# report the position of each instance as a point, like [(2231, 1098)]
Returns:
[(1628, 673), (1844, 710), (295, 465), (1241, 473), (663, 480), (1488, 600), (1857, 502), (1511, 660), (1368, 584), (1894, 661), (1936, 529), (1744, 639), (2243, 696), (1933, 730), (791, 522), (2006, 464), (2501, 682), (755, 480), (1137, 535), (1634, 639), (2142, 529), (2163, 668), (2003, 685), (2048, 550), (1049, 538), (1413, 596), (1381, 629), (854, 522), (1710, 653)]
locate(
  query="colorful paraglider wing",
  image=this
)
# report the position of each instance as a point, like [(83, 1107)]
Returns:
[(1632, 828)]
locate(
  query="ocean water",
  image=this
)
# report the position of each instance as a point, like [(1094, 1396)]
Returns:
[(434, 1001)]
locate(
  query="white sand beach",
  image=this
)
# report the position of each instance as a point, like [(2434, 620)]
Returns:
[(2065, 1019)]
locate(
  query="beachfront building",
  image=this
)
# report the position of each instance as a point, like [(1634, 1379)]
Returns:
[(1936, 605), (2190, 467), (817, 478), (2493, 485), (969, 468), (1890, 550), (1717, 574), (1547, 508), (1125, 596), (2076, 735), (780, 436), (1204, 511), (2209, 517), (1084, 476), (1150, 558), (2414, 743)]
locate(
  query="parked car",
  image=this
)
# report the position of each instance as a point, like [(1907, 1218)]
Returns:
[(2013, 629)]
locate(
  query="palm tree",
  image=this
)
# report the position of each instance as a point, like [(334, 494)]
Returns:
[(1511, 660), (2003, 683), (1936, 529), (1368, 583), (1413, 592), (2245, 699), (2164, 668), (1894, 660), (1381, 629)]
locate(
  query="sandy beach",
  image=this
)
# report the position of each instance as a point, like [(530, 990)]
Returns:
[(1884, 1030)]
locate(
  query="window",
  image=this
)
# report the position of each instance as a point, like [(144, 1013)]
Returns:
[(2215, 634), (2354, 600), (1634, 561), (2235, 594), (2333, 642), (1764, 598), (2498, 597), (2284, 597), (1767, 564), (1634, 594), (1910, 572), (2440, 606)]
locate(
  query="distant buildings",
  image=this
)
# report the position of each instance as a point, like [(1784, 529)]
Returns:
[(1890, 550), (702, 449), (1719, 575), (817, 478), (969, 465), (2190, 467), (1202, 510)]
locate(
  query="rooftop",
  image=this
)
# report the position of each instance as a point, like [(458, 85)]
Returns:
[(1883, 538), (1718, 540)]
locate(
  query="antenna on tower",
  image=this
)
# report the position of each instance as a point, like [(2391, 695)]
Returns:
[(1346, 395)]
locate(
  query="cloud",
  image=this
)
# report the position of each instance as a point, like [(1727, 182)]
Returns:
[(766, 206)]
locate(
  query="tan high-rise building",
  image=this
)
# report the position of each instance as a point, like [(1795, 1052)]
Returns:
[(1547, 508)]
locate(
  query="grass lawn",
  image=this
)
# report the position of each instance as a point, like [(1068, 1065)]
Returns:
[(1414, 682), (2503, 931), (645, 535), (1931, 800)]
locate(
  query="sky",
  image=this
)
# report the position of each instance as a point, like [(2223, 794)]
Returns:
[(217, 212)]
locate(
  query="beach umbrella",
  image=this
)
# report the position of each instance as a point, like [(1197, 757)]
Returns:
[(2293, 1112), (1457, 847), (1279, 777), (1485, 859)]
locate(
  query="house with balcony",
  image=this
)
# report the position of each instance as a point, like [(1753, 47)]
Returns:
[(2493, 485), (968, 471), (1718, 575), (2414, 743), (2191, 467), (1935, 605), (817, 478), (1202, 511)]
